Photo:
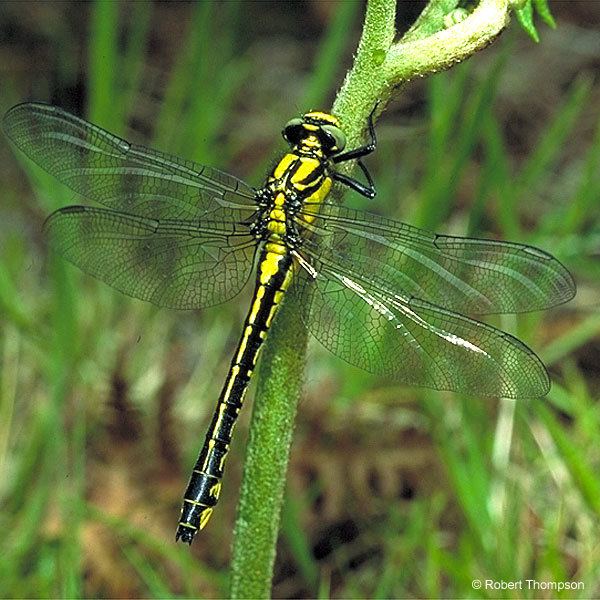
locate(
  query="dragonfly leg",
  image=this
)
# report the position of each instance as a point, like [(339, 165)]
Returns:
[(366, 190), (361, 150)]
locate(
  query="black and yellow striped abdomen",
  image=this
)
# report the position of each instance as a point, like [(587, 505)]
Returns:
[(295, 178), (205, 484)]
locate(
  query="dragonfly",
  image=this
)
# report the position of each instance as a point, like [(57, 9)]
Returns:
[(385, 296)]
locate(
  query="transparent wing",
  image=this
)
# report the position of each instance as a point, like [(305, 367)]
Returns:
[(123, 176), (171, 263), (414, 341), (460, 274)]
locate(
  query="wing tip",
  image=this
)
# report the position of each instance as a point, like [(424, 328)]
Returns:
[(564, 283), (568, 287), (19, 124)]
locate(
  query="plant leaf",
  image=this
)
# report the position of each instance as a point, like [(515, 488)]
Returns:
[(542, 9), (525, 17)]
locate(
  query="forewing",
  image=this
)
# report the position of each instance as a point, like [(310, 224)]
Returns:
[(414, 341), (460, 274), (171, 263), (130, 178)]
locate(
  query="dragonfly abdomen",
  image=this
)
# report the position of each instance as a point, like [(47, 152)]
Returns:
[(204, 487)]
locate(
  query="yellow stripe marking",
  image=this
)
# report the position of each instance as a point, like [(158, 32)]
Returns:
[(222, 407), (307, 167), (283, 165), (275, 248), (258, 297), (269, 267), (194, 502), (222, 462), (211, 447), (272, 313), (215, 490), (318, 196), (286, 281), (204, 517), (243, 343), (255, 357), (235, 370)]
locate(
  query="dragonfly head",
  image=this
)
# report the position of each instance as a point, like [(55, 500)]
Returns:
[(316, 129)]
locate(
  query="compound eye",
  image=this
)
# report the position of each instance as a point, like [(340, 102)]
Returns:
[(337, 137), (293, 131)]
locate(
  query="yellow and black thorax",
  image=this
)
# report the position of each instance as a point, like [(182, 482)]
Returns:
[(300, 178)]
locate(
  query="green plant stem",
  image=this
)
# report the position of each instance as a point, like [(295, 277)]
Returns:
[(277, 395), (416, 58), (380, 66), (364, 83)]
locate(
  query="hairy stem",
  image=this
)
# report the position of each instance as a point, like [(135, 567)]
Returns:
[(380, 66)]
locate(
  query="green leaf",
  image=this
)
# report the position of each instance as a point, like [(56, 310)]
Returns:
[(542, 9), (436, 16), (525, 12), (525, 17), (574, 457)]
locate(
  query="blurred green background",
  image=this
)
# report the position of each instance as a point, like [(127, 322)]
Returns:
[(392, 491)]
